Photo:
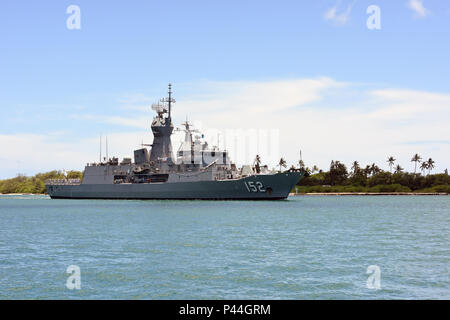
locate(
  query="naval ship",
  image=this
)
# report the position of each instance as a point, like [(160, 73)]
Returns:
[(197, 172)]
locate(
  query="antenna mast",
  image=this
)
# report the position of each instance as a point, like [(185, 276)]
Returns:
[(169, 100), (100, 148)]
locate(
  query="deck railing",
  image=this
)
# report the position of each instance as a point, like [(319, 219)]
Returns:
[(59, 182)]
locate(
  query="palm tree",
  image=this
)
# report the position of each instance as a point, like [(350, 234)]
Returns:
[(374, 169), (398, 169), (391, 161), (416, 158), (258, 163), (314, 169), (430, 164), (301, 164), (424, 166), (355, 167), (282, 163), (367, 171)]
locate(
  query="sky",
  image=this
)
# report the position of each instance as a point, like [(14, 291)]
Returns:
[(310, 73)]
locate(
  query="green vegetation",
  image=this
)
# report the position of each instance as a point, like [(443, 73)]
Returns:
[(337, 179), (36, 184), (388, 188), (373, 179), (281, 163)]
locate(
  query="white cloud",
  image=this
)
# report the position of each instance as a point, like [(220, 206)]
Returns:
[(263, 96), (32, 153), (327, 119), (339, 18), (417, 6), (331, 13), (308, 118), (229, 97), (410, 104), (136, 122)]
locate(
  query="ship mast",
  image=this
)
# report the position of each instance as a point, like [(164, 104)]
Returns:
[(169, 100), (162, 129)]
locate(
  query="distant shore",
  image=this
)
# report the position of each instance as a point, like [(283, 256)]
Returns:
[(23, 194), (371, 194), (306, 194), (334, 182)]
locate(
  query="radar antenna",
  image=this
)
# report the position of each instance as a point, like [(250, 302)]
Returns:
[(159, 108)]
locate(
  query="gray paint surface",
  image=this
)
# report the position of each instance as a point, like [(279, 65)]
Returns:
[(160, 176), (280, 184)]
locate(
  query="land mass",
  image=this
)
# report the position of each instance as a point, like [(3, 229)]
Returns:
[(35, 184), (371, 180), (333, 182)]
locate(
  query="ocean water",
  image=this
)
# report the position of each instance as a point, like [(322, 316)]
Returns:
[(307, 247)]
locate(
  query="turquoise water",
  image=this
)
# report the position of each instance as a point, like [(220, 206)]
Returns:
[(309, 247)]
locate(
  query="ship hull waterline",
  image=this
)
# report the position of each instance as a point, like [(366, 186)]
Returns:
[(257, 187)]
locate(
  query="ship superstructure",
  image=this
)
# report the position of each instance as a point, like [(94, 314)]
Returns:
[(195, 171)]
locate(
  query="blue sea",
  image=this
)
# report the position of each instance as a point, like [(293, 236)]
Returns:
[(307, 247)]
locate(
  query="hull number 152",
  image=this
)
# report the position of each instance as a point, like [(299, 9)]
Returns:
[(254, 186)]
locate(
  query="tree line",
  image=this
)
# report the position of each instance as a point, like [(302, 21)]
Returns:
[(338, 178), (36, 183), (372, 178)]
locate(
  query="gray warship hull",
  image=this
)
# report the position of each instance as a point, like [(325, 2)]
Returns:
[(197, 171), (256, 187)]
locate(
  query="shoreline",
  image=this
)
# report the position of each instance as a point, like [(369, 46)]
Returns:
[(23, 194), (306, 194), (371, 194)]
